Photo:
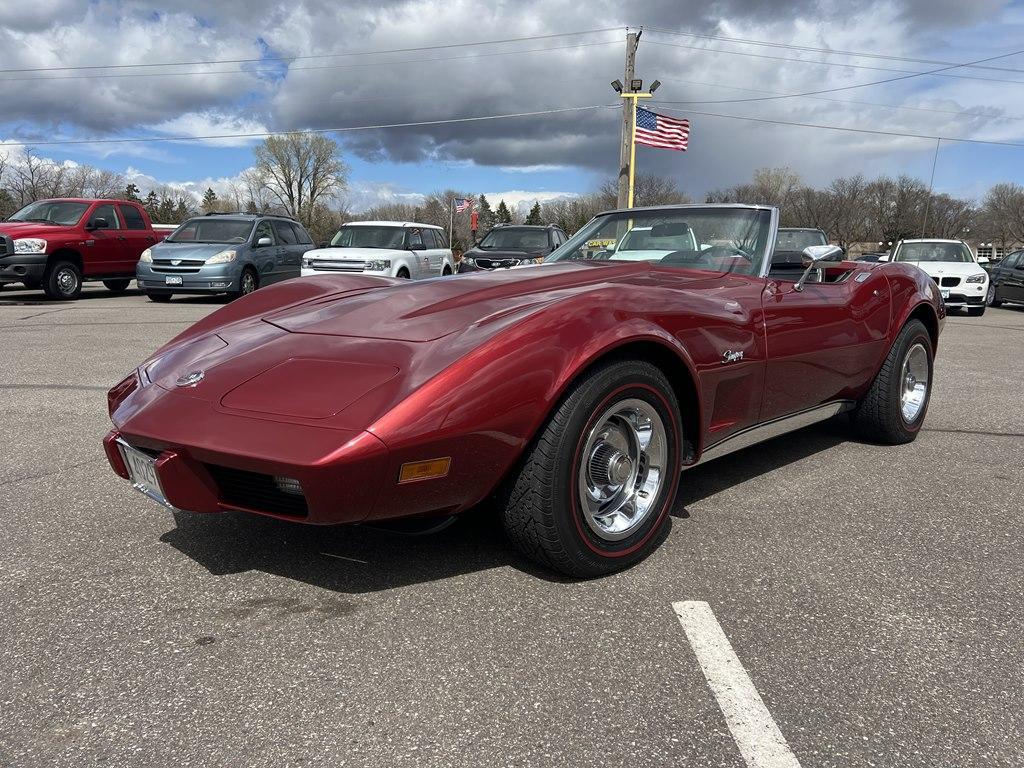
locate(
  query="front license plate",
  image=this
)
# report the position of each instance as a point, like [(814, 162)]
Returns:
[(944, 292), (172, 280), (142, 469)]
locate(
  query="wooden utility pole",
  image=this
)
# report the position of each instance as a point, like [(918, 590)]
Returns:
[(625, 149)]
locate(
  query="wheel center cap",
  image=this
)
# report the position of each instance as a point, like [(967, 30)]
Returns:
[(619, 468)]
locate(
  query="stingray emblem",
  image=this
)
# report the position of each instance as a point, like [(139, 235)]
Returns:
[(731, 357), (190, 379)]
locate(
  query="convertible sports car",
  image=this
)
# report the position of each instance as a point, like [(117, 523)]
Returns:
[(573, 393)]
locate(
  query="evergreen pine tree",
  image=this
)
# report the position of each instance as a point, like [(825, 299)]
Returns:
[(131, 192), (534, 217), (209, 200), (504, 216), (485, 215)]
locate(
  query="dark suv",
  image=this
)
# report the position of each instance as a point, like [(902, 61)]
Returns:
[(1006, 281), (512, 245)]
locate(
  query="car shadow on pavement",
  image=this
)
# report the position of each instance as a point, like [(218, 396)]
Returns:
[(359, 559)]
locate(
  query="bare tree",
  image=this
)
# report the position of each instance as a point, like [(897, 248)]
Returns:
[(647, 190), (301, 171)]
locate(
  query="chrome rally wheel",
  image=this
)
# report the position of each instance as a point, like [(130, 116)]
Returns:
[(914, 379), (622, 469), (592, 492)]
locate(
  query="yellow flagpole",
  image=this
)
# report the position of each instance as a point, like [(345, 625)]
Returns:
[(632, 144)]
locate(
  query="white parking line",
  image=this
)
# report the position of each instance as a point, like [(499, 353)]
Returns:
[(758, 737)]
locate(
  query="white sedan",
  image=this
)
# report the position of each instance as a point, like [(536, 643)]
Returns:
[(390, 248)]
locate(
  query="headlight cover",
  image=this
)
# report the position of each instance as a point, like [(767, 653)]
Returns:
[(378, 265), (469, 260), (223, 257), (30, 245), (146, 256), (979, 278)]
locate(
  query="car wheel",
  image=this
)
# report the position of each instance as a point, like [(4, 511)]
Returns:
[(117, 286), (247, 283), (159, 298), (403, 274), (446, 271), (992, 297), (63, 280), (976, 311), (894, 408), (592, 493)]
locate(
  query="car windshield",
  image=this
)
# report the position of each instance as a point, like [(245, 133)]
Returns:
[(515, 240), (391, 238), (918, 252), (798, 239), (725, 239), (212, 231), (61, 212)]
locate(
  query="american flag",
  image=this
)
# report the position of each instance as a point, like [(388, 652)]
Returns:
[(464, 204), (656, 130)]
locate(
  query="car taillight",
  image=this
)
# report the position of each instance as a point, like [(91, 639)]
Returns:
[(121, 390)]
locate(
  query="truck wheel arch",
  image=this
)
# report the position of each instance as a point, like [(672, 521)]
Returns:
[(66, 254)]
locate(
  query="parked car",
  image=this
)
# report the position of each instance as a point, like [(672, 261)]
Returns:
[(872, 257), (58, 244), (232, 253), (508, 245), (401, 249), (962, 282), (1006, 281), (574, 394), (797, 238)]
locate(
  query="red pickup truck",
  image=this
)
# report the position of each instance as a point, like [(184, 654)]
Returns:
[(57, 244)]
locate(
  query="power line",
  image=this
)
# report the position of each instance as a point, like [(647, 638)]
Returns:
[(349, 129), (846, 101), (894, 134), (856, 85), (813, 62), (306, 57), (860, 54), (261, 70)]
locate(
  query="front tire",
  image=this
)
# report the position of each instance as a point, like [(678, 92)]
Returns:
[(63, 281), (992, 297), (592, 492), (159, 298), (893, 410), (247, 283)]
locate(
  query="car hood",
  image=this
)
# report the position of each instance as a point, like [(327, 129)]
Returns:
[(354, 254), (18, 229), (504, 253), (429, 309), (948, 268), (191, 251)]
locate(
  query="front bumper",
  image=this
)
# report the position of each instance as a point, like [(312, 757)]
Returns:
[(210, 278), (22, 267), (308, 272), (964, 295)]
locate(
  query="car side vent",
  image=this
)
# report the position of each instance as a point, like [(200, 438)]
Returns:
[(256, 491)]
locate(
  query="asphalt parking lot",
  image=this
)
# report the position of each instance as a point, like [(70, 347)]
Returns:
[(873, 595)]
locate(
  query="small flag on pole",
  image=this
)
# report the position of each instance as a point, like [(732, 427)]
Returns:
[(464, 204), (654, 130)]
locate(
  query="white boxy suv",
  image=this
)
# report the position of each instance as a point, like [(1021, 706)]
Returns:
[(390, 248), (962, 282)]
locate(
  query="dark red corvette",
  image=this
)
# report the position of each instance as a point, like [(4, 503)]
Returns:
[(575, 391)]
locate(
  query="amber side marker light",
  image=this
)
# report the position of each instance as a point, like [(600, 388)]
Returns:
[(424, 470)]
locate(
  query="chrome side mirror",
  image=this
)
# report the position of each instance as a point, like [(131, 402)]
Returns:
[(263, 242), (815, 256)]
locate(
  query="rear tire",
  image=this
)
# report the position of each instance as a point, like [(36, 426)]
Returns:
[(159, 298), (117, 286), (446, 272), (589, 496), (893, 410), (63, 281)]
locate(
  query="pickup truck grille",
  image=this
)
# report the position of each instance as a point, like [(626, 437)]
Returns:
[(184, 266), (326, 265)]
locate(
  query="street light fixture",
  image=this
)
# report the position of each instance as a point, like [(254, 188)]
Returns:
[(636, 85), (617, 85), (655, 86)]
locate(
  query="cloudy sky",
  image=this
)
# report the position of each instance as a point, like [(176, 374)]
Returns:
[(301, 65)]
